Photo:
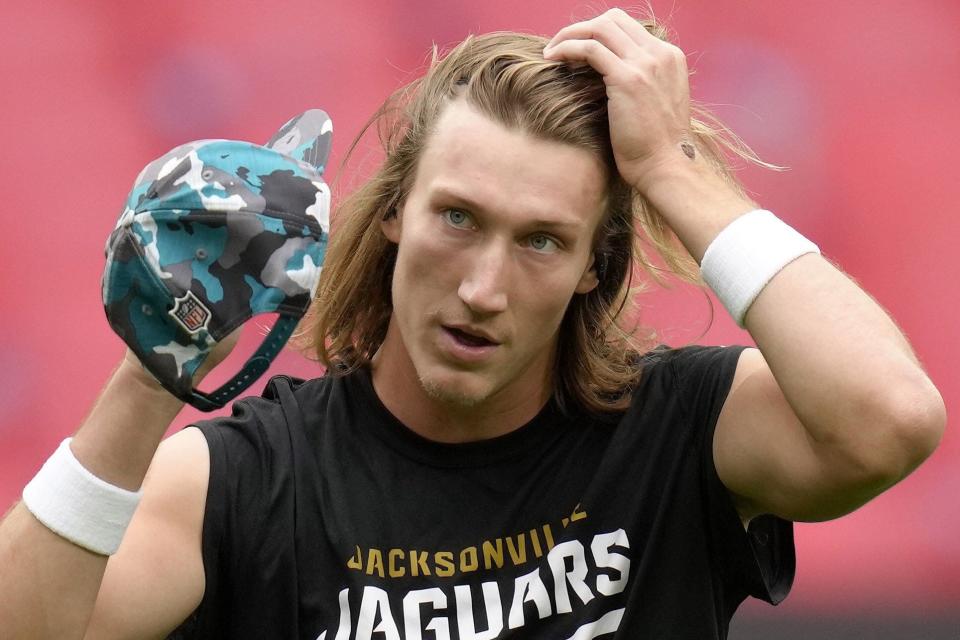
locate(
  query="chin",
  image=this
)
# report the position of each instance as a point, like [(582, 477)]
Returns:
[(458, 393)]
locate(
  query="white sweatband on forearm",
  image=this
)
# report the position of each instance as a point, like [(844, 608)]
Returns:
[(79, 506), (746, 255)]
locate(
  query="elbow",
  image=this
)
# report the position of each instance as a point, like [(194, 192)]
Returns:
[(924, 424), (912, 424)]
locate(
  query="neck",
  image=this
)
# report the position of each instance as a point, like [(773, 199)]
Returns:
[(397, 385)]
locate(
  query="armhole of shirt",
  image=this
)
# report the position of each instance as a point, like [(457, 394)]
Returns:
[(238, 503), (201, 622), (758, 561)]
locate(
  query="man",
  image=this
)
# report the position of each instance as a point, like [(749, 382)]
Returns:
[(492, 458)]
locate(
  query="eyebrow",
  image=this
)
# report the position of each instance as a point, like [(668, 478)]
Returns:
[(539, 221)]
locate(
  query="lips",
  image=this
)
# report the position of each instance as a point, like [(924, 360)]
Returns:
[(466, 346), (469, 339), (470, 336)]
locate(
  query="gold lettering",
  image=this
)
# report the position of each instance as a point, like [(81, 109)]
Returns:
[(395, 568), (356, 560), (418, 563), (535, 540), (443, 562), (577, 514), (548, 536), (518, 553), (374, 562), (468, 560), (394, 562), (493, 555)]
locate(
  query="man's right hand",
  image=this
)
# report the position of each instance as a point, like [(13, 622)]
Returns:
[(218, 354)]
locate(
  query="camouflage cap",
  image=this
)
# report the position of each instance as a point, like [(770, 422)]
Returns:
[(212, 234)]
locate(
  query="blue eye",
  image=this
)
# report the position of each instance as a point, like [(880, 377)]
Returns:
[(543, 244), (456, 218)]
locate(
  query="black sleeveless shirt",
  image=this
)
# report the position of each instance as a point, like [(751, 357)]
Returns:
[(327, 519)]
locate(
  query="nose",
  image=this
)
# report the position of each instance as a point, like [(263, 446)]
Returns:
[(484, 287)]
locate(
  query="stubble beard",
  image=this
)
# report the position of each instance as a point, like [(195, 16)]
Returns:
[(455, 396)]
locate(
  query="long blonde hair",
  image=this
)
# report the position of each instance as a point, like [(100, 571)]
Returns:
[(505, 77)]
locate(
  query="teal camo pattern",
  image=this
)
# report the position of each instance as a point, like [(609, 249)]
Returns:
[(242, 227)]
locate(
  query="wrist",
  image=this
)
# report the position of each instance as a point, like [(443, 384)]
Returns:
[(695, 201), (746, 255), (120, 435), (78, 505), (658, 168), (136, 380)]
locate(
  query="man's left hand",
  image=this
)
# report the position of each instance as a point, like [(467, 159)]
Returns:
[(647, 88)]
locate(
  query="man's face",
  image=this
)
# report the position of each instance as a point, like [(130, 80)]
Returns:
[(494, 239)]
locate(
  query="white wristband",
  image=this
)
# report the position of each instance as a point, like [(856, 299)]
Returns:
[(79, 506), (746, 255)]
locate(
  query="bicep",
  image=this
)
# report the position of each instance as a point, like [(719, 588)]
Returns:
[(156, 578), (768, 460)]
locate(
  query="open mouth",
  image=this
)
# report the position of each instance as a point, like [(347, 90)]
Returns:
[(469, 339)]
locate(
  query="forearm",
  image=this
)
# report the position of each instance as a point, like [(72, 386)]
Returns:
[(846, 370), (120, 435), (696, 202), (49, 584)]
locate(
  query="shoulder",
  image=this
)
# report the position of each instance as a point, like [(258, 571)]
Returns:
[(290, 419), (691, 366), (281, 394), (689, 355), (683, 386)]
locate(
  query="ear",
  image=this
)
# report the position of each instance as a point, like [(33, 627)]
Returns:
[(391, 225), (588, 279)]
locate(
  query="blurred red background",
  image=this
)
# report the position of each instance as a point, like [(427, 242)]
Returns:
[(858, 98)]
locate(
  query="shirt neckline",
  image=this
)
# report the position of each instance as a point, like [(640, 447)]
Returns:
[(548, 424)]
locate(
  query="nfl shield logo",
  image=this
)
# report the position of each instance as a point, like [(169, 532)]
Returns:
[(190, 313)]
